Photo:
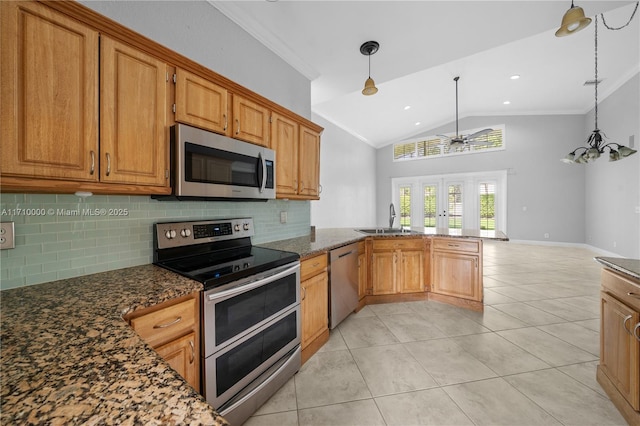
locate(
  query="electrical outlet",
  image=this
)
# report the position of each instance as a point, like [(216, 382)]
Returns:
[(283, 217), (7, 236), (546, 235)]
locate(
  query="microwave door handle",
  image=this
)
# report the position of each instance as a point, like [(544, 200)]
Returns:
[(262, 172)]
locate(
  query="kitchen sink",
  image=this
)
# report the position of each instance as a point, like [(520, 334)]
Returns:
[(387, 231)]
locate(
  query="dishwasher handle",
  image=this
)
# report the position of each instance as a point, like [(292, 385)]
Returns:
[(346, 254)]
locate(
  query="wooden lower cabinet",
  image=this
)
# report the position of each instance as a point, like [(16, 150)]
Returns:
[(172, 328), (456, 270), (397, 266), (619, 367), (362, 270), (181, 354), (314, 304)]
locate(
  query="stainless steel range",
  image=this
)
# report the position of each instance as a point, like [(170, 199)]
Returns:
[(250, 309)]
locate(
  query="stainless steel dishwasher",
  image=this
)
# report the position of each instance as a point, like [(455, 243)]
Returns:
[(343, 279)]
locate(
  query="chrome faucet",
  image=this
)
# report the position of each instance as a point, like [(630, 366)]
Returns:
[(392, 215)]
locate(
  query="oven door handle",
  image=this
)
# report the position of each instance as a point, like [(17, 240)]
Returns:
[(246, 285)]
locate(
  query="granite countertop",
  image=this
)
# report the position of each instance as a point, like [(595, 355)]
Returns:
[(630, 267), (68, 357), (330, 238)]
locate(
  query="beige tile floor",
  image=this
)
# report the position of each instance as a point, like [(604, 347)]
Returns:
[(529, 359)]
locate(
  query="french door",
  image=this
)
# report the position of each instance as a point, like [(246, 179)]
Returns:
[(452, 202)]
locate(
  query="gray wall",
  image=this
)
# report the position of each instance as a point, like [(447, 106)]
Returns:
[(348, 179), (613, 189), (552, 192)]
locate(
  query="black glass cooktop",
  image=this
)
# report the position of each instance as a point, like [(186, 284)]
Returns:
[(216, 268)]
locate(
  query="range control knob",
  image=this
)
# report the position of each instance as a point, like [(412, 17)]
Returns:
[(236, 227), (170, 234), (245, 226), (185, 233)]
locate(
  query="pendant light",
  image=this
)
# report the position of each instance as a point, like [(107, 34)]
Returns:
[(369, 48), (572, 21), (595, 142)]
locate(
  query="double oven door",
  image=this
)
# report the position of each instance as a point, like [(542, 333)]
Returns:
[(249, 326)]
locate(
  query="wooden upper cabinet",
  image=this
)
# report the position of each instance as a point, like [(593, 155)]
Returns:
[(250, 121), (133, 101), (309, 166), (201, 103), (49, 108), (284, 140)]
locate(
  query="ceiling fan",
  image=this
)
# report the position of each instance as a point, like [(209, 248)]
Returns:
[(462, 141)]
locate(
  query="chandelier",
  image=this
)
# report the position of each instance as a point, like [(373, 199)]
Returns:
[(596, 145)]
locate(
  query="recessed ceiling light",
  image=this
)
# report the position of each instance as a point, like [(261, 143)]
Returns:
[(514, 77), (506, 102), (417, 123), (407, 107)]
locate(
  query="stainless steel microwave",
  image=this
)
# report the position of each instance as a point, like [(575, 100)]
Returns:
[(206, 165)]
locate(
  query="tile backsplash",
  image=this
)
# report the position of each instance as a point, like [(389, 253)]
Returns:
[(64, 236)]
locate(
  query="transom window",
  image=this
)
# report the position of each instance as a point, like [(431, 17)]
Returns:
[(433, 146)]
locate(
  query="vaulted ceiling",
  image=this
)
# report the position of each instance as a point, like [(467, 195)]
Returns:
[(425, 44)]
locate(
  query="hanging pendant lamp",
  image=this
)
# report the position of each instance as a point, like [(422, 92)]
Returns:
[(595, 142), (369, 48), (572, 21)]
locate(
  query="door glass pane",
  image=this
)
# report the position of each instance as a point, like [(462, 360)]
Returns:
[(405, 206), (430, 206), (487, 206), (455, 206)]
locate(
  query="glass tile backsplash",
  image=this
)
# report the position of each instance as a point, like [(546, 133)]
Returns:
[(64, 236)]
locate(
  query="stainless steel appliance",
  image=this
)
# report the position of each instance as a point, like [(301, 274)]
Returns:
[(206, 165), (343, 288), (250, 325)]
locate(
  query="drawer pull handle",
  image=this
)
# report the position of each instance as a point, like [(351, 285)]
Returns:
[(453, 245), (636, 295), (193, 351), (316, 264), (169, 324), (635, 332), (624, 324)]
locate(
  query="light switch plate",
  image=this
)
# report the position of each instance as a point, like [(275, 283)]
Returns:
[(7, 236)]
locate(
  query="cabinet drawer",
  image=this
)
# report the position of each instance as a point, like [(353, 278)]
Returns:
[(158, 326), (398, 244), (456, 244), (621, 288), (312, 266)]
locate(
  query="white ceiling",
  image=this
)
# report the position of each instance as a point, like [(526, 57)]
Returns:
[(424, 44)]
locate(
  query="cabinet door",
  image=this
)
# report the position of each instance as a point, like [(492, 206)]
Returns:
[(412, 272), (250, 121), (619, 356), (284, 140), (182, 357), (314, 307), (384, 272), (362, 275), (133, 92), (456, 274), (49, 108), (201, 103), (309, 167)]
